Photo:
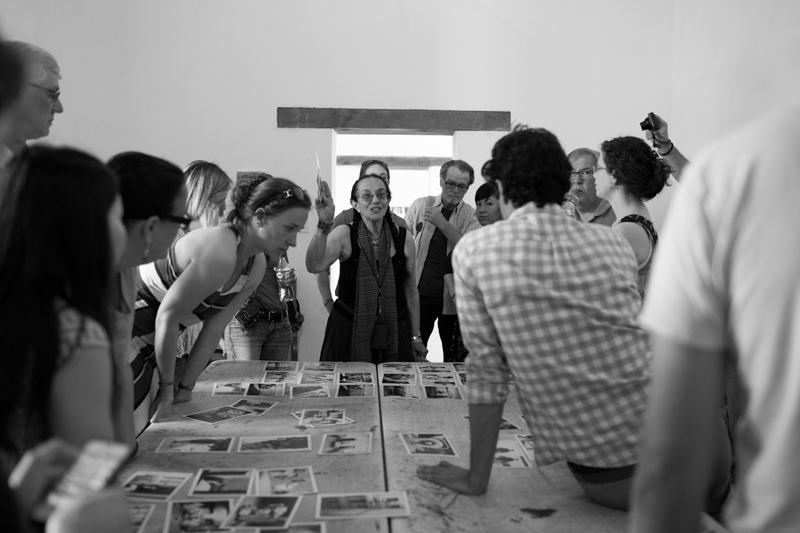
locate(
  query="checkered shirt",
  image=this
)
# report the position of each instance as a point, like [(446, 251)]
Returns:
[(554, 302)]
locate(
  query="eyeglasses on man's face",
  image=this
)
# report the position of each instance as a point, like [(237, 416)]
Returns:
[(182, 221), (584, 173), (51, 94), (367, 196), (454, 186)]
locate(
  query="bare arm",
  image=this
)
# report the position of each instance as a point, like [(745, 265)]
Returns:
[(324, 287), (325, 249), (678, 450), (412, 297), (637, 238)]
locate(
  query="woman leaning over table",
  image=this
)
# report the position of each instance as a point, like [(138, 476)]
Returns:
[(376, 278), (206, 277), (61, 235), (629, 173)]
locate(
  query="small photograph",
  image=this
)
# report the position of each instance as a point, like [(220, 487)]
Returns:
[(265, 389), (526, 443), (508, 454), (221, 482), (196, 445), (258, 407), (459, 367), (438, 379), (355, 377), (424, 444), (322, 367), (346, 444), (322, 417), (199, 515), (218, 414), (229, 389), (506, 424), (289, 376), (434, 368), (281, 365), (292, 480), (139, 515), (347, 420), (288, 443), (401, 391), (350, 391), (299, 527), (263, 511), (463, 377), (362, 505), (307, 378), (154, 485), (445, 393), (398, 368), (297, 392), (405, 379)]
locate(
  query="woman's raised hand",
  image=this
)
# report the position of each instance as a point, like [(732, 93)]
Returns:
[(324, 202)]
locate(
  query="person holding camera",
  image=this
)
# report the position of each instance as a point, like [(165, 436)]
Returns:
[(657, 132)]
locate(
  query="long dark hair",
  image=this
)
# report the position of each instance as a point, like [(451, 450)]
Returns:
[(148, 185), (54, 246), (260, 191)]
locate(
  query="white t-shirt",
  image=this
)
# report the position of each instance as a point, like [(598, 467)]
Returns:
[(727, 277)]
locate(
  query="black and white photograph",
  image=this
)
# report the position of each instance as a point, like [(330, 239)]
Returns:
[(258, 407), (288, 443), (152, 485), (319, 366), (289, 480), (281, 377), (297, 392), (505, 424), (438, 379), (229, 389), (355, 377), (362, 505), (433, 368), (280, 366), (459, 367), (462, 376), (398, 368), (263, 512), (186, 516), (428, 444), (265, 389), (300, 527), (311, 377), (508, 454), (442, 393), (322, 417), (221, 482), (355, 390), (139, 515), (404, 379), (196, 445), (400, 391), (218, 415), (526, 444), (346, 444)]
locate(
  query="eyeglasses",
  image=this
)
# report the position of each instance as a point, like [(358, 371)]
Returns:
[(367, 196), (452, 185), (182, 221), (53, 95), (584, 173)]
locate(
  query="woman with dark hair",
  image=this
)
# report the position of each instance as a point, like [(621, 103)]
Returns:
[(61, 234), (628, 174), (206, 277), (376, 317), (154, 197), (487, 207)]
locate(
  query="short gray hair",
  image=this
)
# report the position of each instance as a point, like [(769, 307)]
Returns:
[(37, 61), (580, 152)]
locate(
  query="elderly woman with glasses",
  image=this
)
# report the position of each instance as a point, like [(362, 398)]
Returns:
[(376, 317), (206, 277)]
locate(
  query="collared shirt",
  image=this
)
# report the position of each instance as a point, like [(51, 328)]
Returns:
[(603, 215), (463, 219), (554, 302)]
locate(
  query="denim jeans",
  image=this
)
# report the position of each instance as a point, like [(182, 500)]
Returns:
[(265, 340)]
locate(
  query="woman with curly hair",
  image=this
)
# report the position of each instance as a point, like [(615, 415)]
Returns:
[(628, 174)]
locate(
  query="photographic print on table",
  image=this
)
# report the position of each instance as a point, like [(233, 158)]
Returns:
[(505, 424), (218, 414), (280, 365), (290, 480), (463, 377), (438, 379), (151, 485), (281, 377), (258, 407), (362, 505), (265, 389), (263, 511), (401, 391), (428, 444), (355, 377), (299, 527), (322, 367), (297, 392), (508, 454), (353, 390), (197, 515), (433, 368), (347, 419), (229, 389), (397, 368), (287, 443), (526, 443), (459, 367), (402, 379), (221, 482), (309, 378), (346, 444), (195, 445), (443, 393), (139, 515), (321, 417)]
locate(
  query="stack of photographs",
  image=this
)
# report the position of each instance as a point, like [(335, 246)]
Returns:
[(422, 380)]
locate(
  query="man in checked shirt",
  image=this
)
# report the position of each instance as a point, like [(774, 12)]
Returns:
[(553, 302)]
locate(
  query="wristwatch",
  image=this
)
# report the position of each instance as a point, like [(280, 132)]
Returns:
[(416, 338)]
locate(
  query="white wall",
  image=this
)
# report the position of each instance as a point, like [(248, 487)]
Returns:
[(188, 79)]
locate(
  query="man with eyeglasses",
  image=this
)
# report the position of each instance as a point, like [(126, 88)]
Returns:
[(438, 223), (33, 112), (591, 208)]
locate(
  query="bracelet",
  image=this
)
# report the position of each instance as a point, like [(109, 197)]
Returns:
[(186, 387), (416, 338), (328, 301), (324, 226), (166, 383), (671, 146)]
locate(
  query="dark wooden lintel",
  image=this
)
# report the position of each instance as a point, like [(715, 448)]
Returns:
[(393, 120)]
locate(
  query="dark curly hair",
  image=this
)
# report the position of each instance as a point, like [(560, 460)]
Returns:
[(262, 192), (635, 166), (531, 165)]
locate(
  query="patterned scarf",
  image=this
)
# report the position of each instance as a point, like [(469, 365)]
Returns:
[(374, 286)]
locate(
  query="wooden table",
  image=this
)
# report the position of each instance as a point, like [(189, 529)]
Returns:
[(334, 474)]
